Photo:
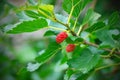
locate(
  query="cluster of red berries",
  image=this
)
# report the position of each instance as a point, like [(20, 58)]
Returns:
[(61, 37)]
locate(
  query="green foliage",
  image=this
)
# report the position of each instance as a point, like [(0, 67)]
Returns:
[(113, 19), (49, 33), (90, 17), (76, 5), (46, 10), (76, 75), (85, 62), (32, 14), (52, 49), (106, 37), (95, 27), (29, 26)]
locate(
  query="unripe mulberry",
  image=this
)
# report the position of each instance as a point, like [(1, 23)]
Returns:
[(61, 37)]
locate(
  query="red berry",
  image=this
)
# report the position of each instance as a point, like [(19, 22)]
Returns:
[(61, 37), (70, 47)]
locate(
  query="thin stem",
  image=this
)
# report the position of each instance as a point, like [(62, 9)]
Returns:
[(82, 27), (70, 15), (71, 12), (67, 26), (75, 24), (46, 15), (117, 56), (112, 51), (56, 20), (99, 68), (79, 30), (109, 55), (91, 44), (57, 28)]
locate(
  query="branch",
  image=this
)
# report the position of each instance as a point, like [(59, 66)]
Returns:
[(97, 46), (67, 26), (56, 28), (84, 42)]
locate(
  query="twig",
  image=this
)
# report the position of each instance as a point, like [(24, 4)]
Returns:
[(57, 28), (70, 15), (97, 46), (109, 55), (99, 68), (67, 26)]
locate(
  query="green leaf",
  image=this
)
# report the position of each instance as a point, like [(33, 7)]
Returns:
[(46, 10), (77, 51), (113, 19), (85, 62), (32, 14), (29, 26), (106, 37), (90, 17), (79, 40), (22, 16), (68, 74), (75, 75), (52, 49), (50, 33), (69, 40), (64, 59), (33, 66), (78, 6), (95, 27)]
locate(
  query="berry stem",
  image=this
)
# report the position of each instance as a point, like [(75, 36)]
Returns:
[(85, 42)]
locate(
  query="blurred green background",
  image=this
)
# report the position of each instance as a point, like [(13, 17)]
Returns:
[(19, 49)]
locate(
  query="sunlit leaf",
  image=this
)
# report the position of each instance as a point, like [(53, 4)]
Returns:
[(90, 17), (32, 14), (52, 49), (78, 6), (46, 10), (32, 67), (29, 26)]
